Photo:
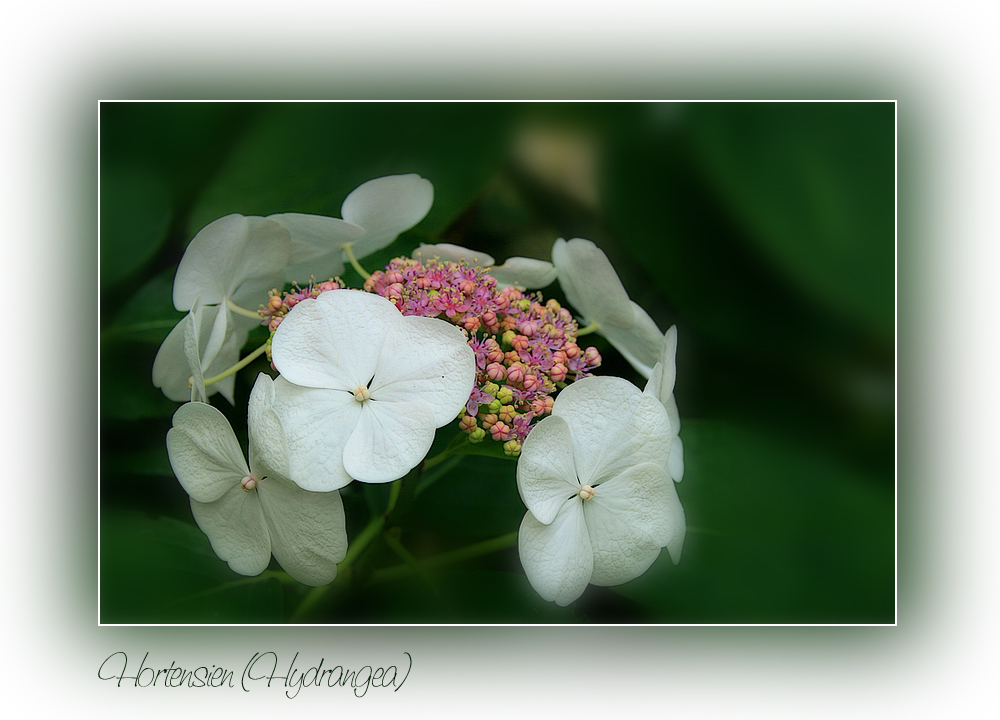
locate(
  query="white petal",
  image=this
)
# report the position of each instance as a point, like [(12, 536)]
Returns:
[(675, 464), (204, 452), (237, 330), (452, 253), (557, 558), (316, 424), (389, 440), (592, 285), (614, 426), (268, 447), (225, 254), (235, 526), (640, 344), (307, 530), (334, 341), (171, 369), (192, 352), (528, 273), (317, 244), (426, 360), (385, 207), (629, 519), (546, 475)]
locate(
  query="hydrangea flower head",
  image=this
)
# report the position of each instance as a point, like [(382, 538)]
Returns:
[(250, 511), (524, 350), (600, 502), (363, 388), (593, 288)]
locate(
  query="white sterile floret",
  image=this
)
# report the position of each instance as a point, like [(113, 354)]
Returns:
[(234, 259), (527, 273), (661, 386), (600, 503), (363, 388), (250, 511), (374, 214), (593, 288)]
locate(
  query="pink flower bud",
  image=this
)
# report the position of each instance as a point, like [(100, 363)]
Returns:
[(559, 357), (528, 328), (496, 372), (592, 356), (500, 431), (489, 319), (516, 374), (468, 287), (530, 382), (512, 357), (489, 421), (273, 325), (275, 303), (467, 424), (471, 323), (495, 354), (572, 351), (394, 276), (508, 323), (558, 372), (520, 342), (542, 405)]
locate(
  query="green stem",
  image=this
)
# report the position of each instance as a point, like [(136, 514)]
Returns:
[(242, 311), (453, 447), (393, 496), (448, 558), (354, 262), (235, 368), (593, 327)]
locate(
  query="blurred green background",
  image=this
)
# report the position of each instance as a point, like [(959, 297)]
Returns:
[(764, 231)]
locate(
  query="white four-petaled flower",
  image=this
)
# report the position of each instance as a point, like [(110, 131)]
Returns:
[(593, 288), (250, 511), (363, 388), (234, 259), (600, 502)]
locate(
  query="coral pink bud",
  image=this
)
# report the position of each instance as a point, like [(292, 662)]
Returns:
[(489, 318), (592, 356), (468, 287), (530, 382), (495, 354), (558, 372), (394, 276), (423, 282), (328, 285), (572, 351), (467, 424), (559, 357), (508, 323), (500, 431), (516, 374), (520, 342), (542, 405), (496, 372), (528, 328), (511, 357), (471, 323), (566, 316), (275, 303), (291, 301), (273, 325), (489, 421)]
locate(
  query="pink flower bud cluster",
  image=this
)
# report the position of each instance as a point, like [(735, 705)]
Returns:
[(525, 350)]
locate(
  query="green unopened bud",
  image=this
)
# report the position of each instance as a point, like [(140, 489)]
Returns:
[(491, 388), (505, 395), (477, 435), (512, 448)]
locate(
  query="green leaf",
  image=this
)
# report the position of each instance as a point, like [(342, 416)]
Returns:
[(164, 570), (149, 315), (308, 157), (777, 533), (135, 215), (476, 499)]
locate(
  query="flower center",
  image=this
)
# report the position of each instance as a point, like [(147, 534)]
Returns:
[(362, 394), (587, 492), (248, 483)]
